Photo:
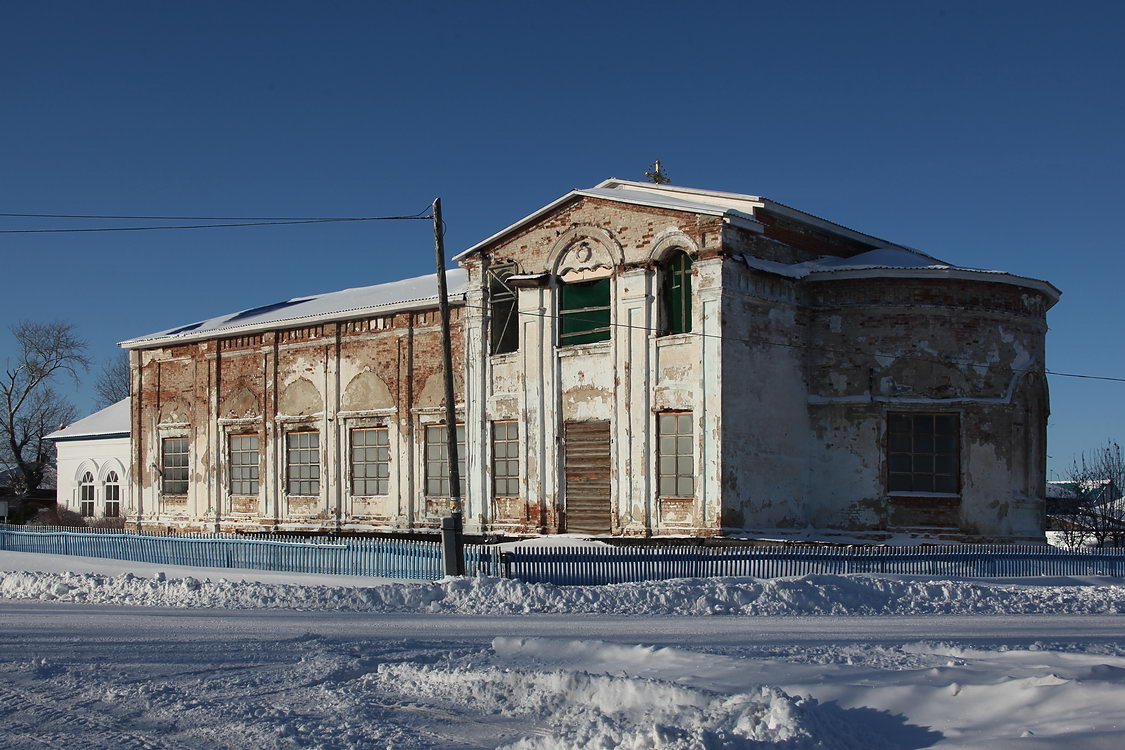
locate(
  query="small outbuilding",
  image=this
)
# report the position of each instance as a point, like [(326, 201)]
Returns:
[(93, 464)]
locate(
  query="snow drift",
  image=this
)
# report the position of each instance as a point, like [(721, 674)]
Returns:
[(805, 595)]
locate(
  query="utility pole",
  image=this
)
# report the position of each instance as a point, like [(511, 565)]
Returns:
[(452, 542)]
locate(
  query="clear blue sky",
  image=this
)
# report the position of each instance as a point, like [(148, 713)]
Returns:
[(988, 134)]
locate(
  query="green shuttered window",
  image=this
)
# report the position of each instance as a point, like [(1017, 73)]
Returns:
[(584, 312)]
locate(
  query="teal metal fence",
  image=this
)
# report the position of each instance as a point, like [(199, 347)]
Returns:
[(568, 566), (421, 560), (388, 558)]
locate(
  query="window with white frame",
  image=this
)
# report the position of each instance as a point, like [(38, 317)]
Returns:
[(371, 461), (505, 459), (437, 459), (112, 494), (244, 464), (86, 495), (174, 466), (676, 475), (303, 463)]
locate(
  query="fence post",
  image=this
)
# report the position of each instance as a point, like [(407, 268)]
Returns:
[(452, 545)]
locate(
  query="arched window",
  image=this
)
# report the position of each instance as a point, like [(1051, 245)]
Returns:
[(676, 292), (504, 334), (86, 495), (112, 494)]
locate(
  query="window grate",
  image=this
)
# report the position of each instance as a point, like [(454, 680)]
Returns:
[(676, 471), (304, 463), (437, 459), (174, 463), (505, 459), (371, 461), (244, 468), (923, 452)]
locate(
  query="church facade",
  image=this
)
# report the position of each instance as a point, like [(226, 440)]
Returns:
[(630, 360)]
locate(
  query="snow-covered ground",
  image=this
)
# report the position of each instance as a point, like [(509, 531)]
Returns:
[(122, 655)]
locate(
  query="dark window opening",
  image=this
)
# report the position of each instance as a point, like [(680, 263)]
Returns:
[(504, 334), (676, 293), (86, 495), (112, 495), (923, 453), (584, 312)]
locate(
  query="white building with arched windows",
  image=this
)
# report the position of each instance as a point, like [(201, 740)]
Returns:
[(93, 463)]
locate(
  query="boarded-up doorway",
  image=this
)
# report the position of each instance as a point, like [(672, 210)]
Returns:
[(586, 466)]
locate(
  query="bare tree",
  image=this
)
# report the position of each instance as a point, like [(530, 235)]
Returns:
[(113, 380), (29, 407), (1096, 511)]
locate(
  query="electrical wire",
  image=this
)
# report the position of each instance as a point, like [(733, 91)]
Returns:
[(213, 226), (788, 345)]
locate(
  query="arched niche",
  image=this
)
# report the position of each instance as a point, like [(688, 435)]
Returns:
[(300, 398), (367, 391), (241, 402)]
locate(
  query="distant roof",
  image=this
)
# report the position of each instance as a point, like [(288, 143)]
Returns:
[(110, 422), (735, 206), (341, 305), (891, 261)]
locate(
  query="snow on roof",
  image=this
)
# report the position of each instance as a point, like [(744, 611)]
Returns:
[(346, 303), (890, 261), (112, 421), (740, 208)]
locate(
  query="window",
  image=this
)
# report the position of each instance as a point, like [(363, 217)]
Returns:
[(504, 334), (86, 495), (676, 475), (922, 453), (174, 460), (505, 459), (371, 461), (676, 293), (437, 459), (244, 464), (112, 495), (584, 312), (304, 463)]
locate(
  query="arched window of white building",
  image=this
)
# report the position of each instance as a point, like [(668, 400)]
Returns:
[(112, 495), (86, 495)]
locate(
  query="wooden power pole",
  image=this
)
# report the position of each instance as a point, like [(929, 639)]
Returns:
[(453, 546)]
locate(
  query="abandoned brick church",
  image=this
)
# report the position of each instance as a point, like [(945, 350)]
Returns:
[(632, 359)]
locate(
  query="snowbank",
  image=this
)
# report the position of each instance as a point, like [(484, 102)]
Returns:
[(806, 595)]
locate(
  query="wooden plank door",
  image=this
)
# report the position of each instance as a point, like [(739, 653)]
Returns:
[(586, 466)]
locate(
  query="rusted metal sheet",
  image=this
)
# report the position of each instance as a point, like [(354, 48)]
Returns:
[(587, 470)]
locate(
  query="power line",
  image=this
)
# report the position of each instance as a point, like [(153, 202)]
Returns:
[(783, 344), (198, 218), (215, 226), (1085, 377)]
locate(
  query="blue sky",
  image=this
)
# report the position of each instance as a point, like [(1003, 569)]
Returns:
[(988, 134)]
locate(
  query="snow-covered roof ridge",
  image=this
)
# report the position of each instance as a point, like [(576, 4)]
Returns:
[(736, 206), (892, 261), (112, 421), (419, 291)]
